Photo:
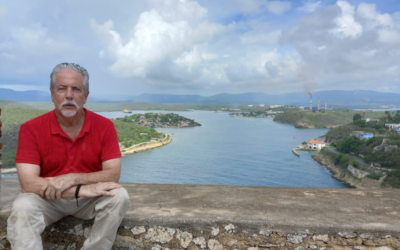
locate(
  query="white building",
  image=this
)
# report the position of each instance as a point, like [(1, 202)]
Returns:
[(391, 126), (314, 144), (261, 105)]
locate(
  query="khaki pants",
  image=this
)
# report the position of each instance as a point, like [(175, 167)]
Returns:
[(30, 214)]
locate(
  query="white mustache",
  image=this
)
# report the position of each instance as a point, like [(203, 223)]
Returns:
[(69, 103)]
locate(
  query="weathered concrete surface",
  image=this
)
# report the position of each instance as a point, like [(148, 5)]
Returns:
[(288, 209)]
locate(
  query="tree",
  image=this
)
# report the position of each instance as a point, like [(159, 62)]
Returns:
[(396, 117), (356, 117), (349, 144)]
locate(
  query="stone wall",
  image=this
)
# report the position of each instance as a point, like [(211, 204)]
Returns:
[(70, 233)]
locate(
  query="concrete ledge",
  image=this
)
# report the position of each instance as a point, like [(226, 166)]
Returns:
[(172, 216)]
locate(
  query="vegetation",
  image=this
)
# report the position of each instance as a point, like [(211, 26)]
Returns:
[(374, 176), (392, 179), (328, 119), (130, 134), (12, 119), (386, 157), (158, 120)]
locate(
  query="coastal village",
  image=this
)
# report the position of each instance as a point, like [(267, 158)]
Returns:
[(361, 159)]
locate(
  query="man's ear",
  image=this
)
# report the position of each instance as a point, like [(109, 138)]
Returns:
[(86, 97), (52, 95)]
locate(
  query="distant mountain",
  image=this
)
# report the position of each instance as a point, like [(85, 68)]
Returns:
[(30, 96), (354, 98), (335, 98), (24, 96)]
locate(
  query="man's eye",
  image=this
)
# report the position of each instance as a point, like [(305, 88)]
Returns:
[(77, 90)]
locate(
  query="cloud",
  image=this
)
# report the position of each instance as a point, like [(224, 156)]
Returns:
[(278, 7), (309, 6), (346, 25), (170, 36), (344, 48)]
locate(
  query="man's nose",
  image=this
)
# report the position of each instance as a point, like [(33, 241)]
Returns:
[(70, 93)]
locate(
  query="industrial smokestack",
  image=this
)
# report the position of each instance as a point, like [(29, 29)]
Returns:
[(318, 102), (310, 101), (325, 106)]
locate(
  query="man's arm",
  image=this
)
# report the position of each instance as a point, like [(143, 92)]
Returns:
[(28, 175), (63, 186), (110, 173)]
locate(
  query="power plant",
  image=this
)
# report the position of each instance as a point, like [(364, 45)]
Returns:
[(318, 108)]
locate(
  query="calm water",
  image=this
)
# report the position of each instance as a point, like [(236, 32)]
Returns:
[(230, 151)]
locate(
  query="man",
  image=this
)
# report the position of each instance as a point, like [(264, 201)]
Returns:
[(68, 163)]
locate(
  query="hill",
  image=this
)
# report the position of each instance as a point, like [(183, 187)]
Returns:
[(328, 119)]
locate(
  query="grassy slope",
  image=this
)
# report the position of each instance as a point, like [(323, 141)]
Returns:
[(12, 119), (329, 119)]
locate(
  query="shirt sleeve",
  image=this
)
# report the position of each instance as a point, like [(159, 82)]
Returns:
[(27, 150), (110, 149)]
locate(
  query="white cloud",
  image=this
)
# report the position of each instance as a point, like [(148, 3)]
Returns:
[(260, 37), (369, 12), (389, 37), (333, 61), (346, 25), (278, 7), (309, 6), (168, 39)]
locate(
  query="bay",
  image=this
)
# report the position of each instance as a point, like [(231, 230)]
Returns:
[(228, 151)]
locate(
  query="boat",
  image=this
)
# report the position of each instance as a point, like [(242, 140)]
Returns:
[(127, 111)]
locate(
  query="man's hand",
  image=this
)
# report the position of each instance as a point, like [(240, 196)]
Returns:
[(57, 185), (98, 189)]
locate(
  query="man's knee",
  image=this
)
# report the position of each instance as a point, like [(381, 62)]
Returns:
[(26, 202), (121, 198)]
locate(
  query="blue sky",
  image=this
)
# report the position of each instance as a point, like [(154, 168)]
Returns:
[(203, 47)]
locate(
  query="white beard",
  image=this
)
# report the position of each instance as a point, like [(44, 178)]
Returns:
[(68, 113)]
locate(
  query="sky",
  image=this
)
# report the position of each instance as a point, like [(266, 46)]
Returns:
[(203, 47)]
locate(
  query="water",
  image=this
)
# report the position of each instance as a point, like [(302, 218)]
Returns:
[(230, 151)]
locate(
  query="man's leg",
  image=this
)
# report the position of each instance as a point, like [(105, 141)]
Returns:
[(30, 214), (108, 212)]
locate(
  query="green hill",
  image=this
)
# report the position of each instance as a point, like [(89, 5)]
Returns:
[(328, 119)]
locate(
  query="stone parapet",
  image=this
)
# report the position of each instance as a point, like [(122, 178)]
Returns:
[(237, 217)]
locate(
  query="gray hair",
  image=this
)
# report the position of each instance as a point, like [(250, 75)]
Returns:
[(73, 66)]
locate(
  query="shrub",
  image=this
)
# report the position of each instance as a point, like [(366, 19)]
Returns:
[(374, 176), (392, 179)]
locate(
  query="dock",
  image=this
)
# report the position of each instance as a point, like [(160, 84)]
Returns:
[(295, 152)]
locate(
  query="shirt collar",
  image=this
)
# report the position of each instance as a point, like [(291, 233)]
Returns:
[(56, 128)]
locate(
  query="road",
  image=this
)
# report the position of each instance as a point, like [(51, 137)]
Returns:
[(352, 156)]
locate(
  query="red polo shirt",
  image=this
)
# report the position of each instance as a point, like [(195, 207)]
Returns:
[(42, 142)]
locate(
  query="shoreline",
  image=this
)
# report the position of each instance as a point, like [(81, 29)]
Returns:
[(345, 176), (145, 146), (335, 171)]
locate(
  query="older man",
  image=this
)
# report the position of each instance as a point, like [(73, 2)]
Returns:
[(68, 163)]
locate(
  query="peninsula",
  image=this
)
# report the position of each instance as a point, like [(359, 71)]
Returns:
[(159, 120)]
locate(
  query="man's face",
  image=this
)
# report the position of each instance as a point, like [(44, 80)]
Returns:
[(68, 94)]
